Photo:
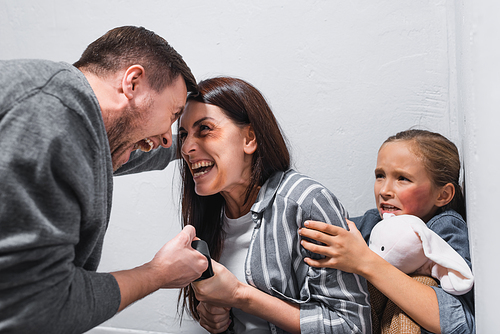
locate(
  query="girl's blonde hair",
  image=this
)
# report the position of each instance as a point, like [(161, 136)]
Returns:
[(441, 160)]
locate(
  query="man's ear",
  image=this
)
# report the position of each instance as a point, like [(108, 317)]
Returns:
[(445, 195), (133, 76), (250, 140)]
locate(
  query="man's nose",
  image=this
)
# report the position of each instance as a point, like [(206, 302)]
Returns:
[(166, 139)]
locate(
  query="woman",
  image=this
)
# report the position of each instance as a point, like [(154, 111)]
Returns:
[(247, 204)]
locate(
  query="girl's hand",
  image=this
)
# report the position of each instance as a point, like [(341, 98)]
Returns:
[(344, 250), (222, 290), (214, 319)]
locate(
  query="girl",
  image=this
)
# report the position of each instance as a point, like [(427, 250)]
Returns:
[(417, 173), (246, 203)]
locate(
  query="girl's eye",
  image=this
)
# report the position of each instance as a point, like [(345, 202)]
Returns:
[(379, 176), (402, 178)]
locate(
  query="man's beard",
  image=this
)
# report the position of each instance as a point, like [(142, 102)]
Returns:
[(120, 132)]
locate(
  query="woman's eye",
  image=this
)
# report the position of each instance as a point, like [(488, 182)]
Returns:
[(204, 130), (182, 136)]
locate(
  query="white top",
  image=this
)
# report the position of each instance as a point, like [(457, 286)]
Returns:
[(238, 236)]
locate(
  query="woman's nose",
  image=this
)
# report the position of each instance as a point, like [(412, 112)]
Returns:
[(188, 145)]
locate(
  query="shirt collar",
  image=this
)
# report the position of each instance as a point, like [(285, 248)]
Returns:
[(267, 192)]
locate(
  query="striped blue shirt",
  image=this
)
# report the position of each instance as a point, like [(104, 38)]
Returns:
[(331, 301)]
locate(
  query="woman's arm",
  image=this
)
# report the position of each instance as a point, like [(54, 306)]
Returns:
[(225, 290), (347, 251)]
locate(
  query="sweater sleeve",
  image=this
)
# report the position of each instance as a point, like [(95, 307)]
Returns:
[(337, 301), (52, 221), (145, 161)]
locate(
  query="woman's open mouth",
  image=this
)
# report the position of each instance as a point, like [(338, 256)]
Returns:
[(201, 168)]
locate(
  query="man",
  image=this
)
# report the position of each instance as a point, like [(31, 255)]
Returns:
[(64, 130)]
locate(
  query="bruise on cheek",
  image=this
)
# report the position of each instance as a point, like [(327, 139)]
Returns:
[(416, 199)]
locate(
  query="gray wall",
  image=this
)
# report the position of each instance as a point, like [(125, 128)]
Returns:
[(341, 76)]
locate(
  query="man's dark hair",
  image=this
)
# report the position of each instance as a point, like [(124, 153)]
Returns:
[(125, 46)]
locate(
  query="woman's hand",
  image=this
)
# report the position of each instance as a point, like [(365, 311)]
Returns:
[(344, 250), (222, 290), (214, 319)]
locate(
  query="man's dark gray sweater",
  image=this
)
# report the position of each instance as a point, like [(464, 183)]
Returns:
[(55, 199)]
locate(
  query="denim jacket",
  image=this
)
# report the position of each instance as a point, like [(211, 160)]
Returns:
[(456, 313)]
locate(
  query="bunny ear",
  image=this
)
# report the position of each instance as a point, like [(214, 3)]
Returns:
[(449, 267)]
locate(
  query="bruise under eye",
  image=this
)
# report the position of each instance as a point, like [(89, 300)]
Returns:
[(204, 127)]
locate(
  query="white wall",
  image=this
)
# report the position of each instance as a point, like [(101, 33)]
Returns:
[(341, 77), (478, 54)]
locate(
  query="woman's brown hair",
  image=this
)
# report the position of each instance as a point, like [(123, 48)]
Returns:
[(244, 105), (441, 161)]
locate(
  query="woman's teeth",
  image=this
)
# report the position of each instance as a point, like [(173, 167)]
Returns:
[(200, 173), (202, 166)]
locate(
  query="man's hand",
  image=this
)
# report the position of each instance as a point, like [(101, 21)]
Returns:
[(174, 266), (177, 263)]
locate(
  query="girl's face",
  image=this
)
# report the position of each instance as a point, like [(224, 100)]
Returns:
[(402, 184), (217, 151)]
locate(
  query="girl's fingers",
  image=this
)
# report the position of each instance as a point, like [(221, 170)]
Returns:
[(312, 247), (352, 226), (315, 235), (316, 263), (323, 237), (322, 227)]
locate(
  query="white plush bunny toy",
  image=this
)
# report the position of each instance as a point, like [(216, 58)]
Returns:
[(409, 245)]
